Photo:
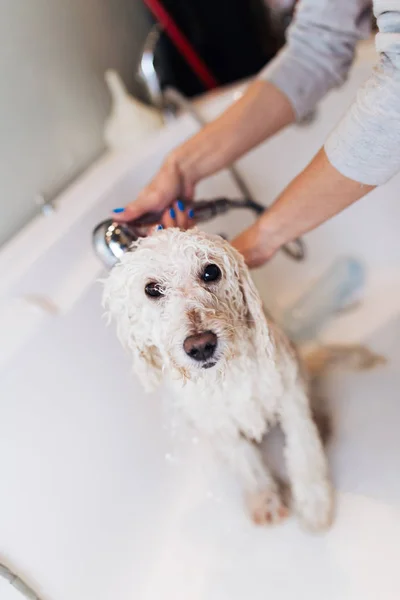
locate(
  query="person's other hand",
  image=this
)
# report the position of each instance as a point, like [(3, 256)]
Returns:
[(162, 194), (255, 244)]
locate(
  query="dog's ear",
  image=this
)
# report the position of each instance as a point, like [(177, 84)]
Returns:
[(121, 308), (255, 312)]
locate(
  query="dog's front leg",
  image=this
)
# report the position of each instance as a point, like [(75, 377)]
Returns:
[(306, 462), (262, 494)]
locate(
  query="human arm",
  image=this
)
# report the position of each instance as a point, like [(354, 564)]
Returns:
[(316, 195), (362, 152)]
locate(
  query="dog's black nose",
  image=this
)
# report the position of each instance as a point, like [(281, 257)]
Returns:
[(200, 347)]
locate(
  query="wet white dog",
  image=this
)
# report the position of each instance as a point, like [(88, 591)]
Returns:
[(189, 313)]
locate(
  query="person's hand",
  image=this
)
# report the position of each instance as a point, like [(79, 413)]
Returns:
[(259, 113), (256, 244), (163, 194), (318, 193)]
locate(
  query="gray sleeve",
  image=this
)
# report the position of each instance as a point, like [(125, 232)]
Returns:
[(365, 146), (319, 51)]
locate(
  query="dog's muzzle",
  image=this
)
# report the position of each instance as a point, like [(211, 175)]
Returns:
[(201, 348)]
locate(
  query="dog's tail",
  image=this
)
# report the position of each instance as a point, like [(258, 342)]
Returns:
[(355, 358), (320, 362)]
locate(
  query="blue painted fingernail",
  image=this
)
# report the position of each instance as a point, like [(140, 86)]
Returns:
[(159, 227), (180, 205), (191, 213), (118, 210), (172, 213)]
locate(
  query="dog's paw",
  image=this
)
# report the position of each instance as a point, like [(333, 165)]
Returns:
[(315, 508), (267, 507)]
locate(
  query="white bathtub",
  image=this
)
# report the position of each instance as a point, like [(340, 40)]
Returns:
[(94, 504)]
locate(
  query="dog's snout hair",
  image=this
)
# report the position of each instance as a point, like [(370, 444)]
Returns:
[(194, 319)]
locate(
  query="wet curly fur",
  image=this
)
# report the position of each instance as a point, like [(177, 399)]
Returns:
[(256, 382)]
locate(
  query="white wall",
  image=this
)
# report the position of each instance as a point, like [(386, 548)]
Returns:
[(53, 100)]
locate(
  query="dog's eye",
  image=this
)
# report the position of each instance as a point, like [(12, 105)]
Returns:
[(211, 273), (153, 289)]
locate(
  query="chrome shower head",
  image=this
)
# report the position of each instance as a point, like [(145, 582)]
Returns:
[(111, 240)]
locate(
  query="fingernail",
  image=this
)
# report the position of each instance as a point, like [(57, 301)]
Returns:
[(180, 205), (159, 227), (118, 210), (191, 213), (172, 213)]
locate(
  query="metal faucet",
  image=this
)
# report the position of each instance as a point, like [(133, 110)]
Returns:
[(147, 74)]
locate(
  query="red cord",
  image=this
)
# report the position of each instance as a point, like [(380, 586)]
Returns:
[(182, 44)]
